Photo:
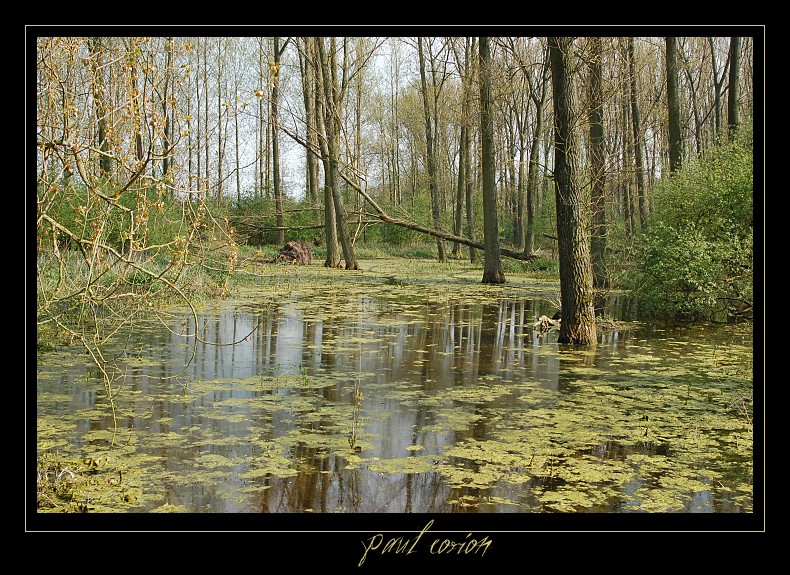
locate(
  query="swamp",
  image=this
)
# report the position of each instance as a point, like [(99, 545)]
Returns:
[(304, 284), (407, 386)]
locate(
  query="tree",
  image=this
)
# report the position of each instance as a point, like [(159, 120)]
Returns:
[(637, 126), (330, 218), (576, 279), (492, 261), (597, 165), (718, 84), (100, 97), (732, 96), (167, 106), (429, 115), (464, 186), (278, 192), (466, 144), (333, 92), (673, 106), (308, 91), (538, 95)]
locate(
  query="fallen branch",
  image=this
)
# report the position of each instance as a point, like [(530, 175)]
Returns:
[(384, 216)]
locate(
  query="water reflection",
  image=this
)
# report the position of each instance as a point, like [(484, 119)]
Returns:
[(351, 406)]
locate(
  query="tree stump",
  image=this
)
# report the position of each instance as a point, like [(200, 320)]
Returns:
[(295, 252)]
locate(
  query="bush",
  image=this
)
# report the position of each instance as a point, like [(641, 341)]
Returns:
[(695, 262)]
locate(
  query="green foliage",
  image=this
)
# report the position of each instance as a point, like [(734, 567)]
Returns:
[(543, 265), (695, 262)]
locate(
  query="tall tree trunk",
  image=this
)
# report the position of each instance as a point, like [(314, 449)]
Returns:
[(219, 118), (627, 172), (138, 115), (307, 66), (675, 144), (469, 51), (597, 167), (470, 206), (263, 94), (460, 190), (534, 152), (205, 116), (638, 151), (330, 224), (492, 260), (332, 96), (278, 192), (718, 86), (431, 158), (576, 279), (167, 135), (237, 145), (465, 69), (191, 89), (732, 96), (99, 93)]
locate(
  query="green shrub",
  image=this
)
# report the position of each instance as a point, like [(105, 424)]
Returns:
[(695, 262)]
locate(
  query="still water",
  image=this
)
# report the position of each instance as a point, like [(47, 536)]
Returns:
[(398, 398)]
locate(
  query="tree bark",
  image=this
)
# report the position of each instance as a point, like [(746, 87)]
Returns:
[(638, 151), (673, 104), (597, 167), (99, 93), (278, 192), (307, 68), (332, 95), (430, 155), (330, 223), (492, 261), (465, 69), (733, 91), (576, 281), (167, 134), (534, 168), (467, 144)]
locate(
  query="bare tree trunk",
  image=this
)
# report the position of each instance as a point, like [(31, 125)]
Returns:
[(236, 136), (675, 144), (638, 151), (534, 168), (492, 266), (431, 158), (99, 92), (576, 279), (597, 167), (460, 190), (330, 223), (191, 89), (138, 136), (167, 136), (332, 96), (732, 96), (205, 116), (465, 68), (278, 192), (219, 118), (718, 86), (469, 51), (307, 65)]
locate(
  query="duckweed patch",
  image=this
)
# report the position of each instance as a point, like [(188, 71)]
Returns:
[(319, 383)]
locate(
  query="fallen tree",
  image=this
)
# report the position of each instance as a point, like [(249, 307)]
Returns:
[(385, 217)]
